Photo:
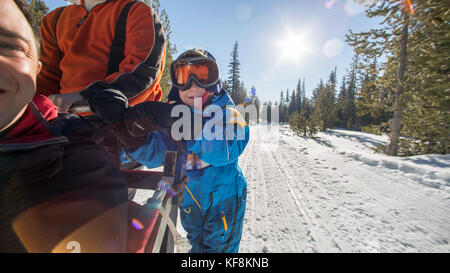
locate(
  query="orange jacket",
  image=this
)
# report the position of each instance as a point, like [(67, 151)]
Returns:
[(84, 39)]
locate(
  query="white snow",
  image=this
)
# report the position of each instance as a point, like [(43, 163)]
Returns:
[(334, 194)]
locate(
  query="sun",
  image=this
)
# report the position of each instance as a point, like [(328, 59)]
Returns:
[(293, 47)]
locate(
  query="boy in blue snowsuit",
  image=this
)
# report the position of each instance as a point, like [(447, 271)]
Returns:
[(212, 210)]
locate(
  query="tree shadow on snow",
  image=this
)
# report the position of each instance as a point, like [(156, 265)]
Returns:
[(364, 140), (324, 142), (428, 160)]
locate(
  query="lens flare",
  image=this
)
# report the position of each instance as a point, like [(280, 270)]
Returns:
[(167, 188), (333, 48), (137, 224), (330, 3), (353, 7)]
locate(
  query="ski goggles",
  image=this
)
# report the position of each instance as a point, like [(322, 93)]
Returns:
[(203, 71)]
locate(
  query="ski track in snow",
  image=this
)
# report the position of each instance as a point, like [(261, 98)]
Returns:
[(313, 196), (333, 194)]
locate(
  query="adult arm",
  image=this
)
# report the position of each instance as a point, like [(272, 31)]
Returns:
[(140, 69)]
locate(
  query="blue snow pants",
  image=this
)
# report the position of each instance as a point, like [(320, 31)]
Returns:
[(215, 224)]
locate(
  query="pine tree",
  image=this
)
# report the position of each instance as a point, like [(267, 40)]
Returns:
[(372, 101), (292, 103), (171, 49), (324, 103), (330, 118), (414, 88), (226, 86), (305, 122), (234, 75), (319, 105), (298, 96), (303, 96), (427, 106), (340, 105), (282, 108), (38, 10), (391, 40), (239, 97), (281, 98), (257, 104), (299, 123), (269, 112), (308, 107), (349, 106)]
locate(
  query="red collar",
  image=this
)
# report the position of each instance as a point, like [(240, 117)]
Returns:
[(32, 126)]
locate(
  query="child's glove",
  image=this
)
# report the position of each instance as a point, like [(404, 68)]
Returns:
[(152, 116), (148, 117), (140, 120)]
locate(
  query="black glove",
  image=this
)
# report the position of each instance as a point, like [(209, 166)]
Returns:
[(148, 117), (141, 120), (153, 116), (128, 141), (110, 105)]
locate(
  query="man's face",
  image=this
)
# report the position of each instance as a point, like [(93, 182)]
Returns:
[(19, 63)]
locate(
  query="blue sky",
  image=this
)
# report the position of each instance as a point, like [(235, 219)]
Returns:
[(280, 41)]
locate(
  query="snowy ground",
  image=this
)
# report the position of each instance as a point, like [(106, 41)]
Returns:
[(334, 194)]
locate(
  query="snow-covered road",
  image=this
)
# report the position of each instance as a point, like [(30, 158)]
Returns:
[(333, 194)]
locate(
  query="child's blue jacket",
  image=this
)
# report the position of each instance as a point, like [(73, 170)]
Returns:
[(213, 207)]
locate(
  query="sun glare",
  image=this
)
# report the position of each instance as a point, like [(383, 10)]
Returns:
[(293, 47)]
